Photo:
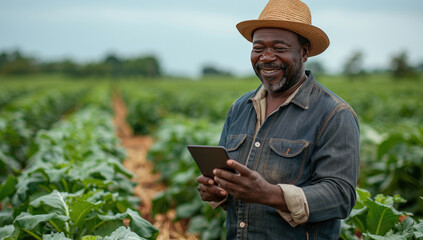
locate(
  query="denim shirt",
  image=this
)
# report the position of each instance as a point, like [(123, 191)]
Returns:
[(313, 143)]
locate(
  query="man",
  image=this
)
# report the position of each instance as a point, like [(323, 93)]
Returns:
[(293, 143)]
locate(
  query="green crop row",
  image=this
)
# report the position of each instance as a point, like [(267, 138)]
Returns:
[(391, 150), (7, 96), (171, 158), (74, 187), (149, 105), (21, 120)]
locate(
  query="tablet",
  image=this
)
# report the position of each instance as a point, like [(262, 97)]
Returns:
[(209, 158)]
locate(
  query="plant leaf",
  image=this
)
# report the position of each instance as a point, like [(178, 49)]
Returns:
[(8, 187), (358, 217), (381, 218), (107, 228), (377, 237), (123, 233), (28, 221), (55, 236), (55, 200), (161, 203), (6, 216), (141, 226), (25, 183), (197, 224), (55, 175), (6, 231), (79, 209), (362, 197), (189, 209)]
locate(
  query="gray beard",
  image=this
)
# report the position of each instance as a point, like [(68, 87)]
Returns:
[(277, 87)]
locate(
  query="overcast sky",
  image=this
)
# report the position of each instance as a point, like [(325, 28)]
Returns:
[(187, 34)]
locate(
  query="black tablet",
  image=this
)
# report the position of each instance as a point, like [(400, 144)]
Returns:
[(209, 158)]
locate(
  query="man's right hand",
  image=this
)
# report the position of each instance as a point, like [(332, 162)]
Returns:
[(209, 191)]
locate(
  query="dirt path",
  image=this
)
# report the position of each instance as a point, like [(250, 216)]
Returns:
[(136, 148)]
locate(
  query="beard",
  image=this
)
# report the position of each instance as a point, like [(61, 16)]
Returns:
[(278, 87), (285, 82)]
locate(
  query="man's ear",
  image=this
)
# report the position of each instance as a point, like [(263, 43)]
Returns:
[(305, 50)]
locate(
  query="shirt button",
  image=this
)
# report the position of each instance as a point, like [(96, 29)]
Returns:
[(242, 224), (257, 144)]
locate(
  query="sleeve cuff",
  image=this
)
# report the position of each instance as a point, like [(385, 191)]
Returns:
[(297, 205), (217, 204)]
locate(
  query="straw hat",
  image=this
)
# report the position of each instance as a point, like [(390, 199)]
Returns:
[(292, 15)]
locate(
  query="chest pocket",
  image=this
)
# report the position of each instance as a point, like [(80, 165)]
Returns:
[(285, 161), (237, 146)]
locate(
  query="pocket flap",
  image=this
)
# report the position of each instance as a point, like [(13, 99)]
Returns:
[(235, 141), (288, 148)]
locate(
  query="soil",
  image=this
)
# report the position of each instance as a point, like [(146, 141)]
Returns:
[(148, 185)]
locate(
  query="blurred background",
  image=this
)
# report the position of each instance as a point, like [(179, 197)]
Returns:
[(167, 72), (185, 37)]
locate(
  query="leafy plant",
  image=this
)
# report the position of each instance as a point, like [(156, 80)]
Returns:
[(76, 215), (20, 122), (378, 219), (396, 167), (75, 184)]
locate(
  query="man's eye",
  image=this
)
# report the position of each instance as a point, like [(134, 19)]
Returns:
[(279, 49), (258, 49)]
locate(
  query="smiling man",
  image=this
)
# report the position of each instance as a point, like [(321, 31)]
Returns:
[(294, 143)]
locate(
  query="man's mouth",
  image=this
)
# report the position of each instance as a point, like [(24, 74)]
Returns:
[(270, 71)]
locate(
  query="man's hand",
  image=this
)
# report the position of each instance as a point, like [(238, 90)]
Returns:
[(208, 190), (249, 186)]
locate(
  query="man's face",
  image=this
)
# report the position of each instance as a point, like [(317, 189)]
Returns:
[(277, 58)]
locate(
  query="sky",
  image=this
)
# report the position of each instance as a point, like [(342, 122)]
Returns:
[(186, 35)]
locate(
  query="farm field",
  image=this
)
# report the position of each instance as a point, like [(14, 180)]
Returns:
[(95, 158)]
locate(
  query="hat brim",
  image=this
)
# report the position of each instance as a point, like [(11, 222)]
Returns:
[(318, 39)]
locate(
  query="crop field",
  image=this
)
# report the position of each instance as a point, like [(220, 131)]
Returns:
[(106, 158)]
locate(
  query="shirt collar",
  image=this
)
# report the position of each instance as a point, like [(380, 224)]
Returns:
[(302, 98), (260, 94)]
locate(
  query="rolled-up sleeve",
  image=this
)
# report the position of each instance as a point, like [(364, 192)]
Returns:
[(221, 203), (296, 203)]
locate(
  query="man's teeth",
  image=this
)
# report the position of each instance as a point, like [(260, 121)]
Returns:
[(269, 71)]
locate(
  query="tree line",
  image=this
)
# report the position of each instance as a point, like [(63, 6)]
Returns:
[(353, 67), (16, 63)]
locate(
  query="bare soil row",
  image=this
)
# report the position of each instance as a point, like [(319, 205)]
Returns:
[(148, 185)]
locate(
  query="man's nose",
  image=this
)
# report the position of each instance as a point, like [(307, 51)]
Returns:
[(268, 56)]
